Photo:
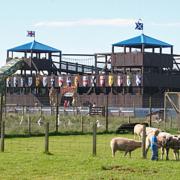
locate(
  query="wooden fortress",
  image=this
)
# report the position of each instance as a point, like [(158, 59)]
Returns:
[(136, 76)]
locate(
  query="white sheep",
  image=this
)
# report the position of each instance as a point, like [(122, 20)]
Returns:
[(124, 144), (138, 128), (150, 130)]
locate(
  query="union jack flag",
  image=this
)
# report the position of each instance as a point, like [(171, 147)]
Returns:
[(31, 33)]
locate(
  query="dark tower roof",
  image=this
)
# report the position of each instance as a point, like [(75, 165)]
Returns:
[(34, 46), (138, 41)]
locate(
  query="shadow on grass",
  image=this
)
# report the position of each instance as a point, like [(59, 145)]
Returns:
[(48, 153)]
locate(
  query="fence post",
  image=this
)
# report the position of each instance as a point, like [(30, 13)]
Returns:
[(165, 108), (82, 124), (129, 119), (57, 111), (171, 122), (144, 142), (106, 113), (1, 110), (2, 135), (47, 138), (94, 138), (150, 111), (29, 125)]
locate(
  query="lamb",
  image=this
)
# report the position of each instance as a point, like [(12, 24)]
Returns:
[(124, 144)]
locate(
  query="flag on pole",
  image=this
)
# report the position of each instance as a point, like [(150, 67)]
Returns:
[(139, 25), (31, 33)]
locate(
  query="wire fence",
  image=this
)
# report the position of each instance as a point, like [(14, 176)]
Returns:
[(22, 120), (29, 123)]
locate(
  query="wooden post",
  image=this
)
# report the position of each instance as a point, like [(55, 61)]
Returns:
[(106, 114), (144, 142), (94, 138), (165, 110), (29, 125), (47, 138), (171, 122), (2, 135), (60, 57), (57, 111), (129, 119), (82, 124), (5, 99), (41, 111), (23, 112), (150, 111), (1, 110)]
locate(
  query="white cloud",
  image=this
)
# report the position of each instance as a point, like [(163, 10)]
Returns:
[(86, 22), (167, 24)]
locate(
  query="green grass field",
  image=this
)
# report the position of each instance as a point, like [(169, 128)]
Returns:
[(71, 158)]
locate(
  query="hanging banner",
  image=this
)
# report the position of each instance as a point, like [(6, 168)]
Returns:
[(120, 80), (85, 81), (102, 80), (60, 81), (93, 81), (111, 80), (76, 81), (30, 81), (8, 82), (52, 81), (128, 80), (38, 81), (45, 81), (68, 81), (138, 79), (68, 89), (22, 82), (15, 81)]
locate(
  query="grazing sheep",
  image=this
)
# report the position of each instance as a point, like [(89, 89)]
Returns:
[(124, 144)]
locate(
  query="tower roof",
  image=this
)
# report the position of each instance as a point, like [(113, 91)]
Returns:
[(34, 46), (138, 41)]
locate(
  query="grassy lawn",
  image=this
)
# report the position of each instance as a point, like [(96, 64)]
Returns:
[(71, 158)]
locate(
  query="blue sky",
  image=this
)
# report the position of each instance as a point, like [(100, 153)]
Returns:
[(82, 26)]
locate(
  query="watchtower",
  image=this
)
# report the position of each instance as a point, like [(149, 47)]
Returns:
[(37, 57), (35, 72), (147, 69)]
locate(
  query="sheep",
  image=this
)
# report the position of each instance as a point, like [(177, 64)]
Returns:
[(163, 138), (150, 130), (148, 139), (138, 128), (174, 143), (124, 144)]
